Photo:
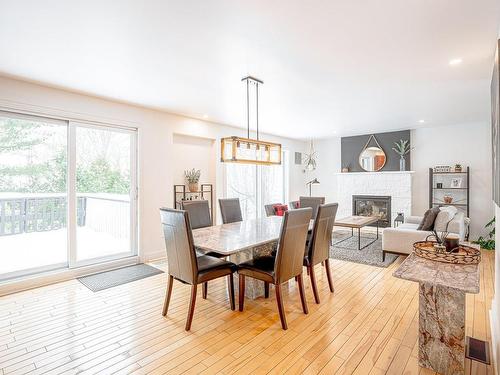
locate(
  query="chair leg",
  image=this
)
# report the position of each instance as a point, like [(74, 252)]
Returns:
[(307, 269), (191, 307), (205, 290), (329, 275), (303, 294), (168, 294), (266, 289), (281, 310), (231, 291), (241, 292), (313, 283)]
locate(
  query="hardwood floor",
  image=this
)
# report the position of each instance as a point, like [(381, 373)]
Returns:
[(369, 326)]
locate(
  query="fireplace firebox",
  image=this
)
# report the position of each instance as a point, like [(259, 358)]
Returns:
[(373, 205)]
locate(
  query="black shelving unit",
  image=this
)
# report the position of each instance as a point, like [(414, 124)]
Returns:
[(181, 193), (461, 195)]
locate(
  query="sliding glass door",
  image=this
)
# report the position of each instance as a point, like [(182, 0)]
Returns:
[(33, 194), (67, 194), (104, 193)]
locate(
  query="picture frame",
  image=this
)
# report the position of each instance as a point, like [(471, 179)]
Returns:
[(456, 183)]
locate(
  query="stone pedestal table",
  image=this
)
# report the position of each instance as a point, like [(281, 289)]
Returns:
[(442, 289)]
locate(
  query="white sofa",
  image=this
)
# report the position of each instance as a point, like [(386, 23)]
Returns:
[(400, 240)]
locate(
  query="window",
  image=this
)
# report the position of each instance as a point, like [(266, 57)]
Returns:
[(67, 194), (257, 185)]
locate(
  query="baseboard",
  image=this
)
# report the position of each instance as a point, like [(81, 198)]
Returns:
[(495, 338), (160, 254), (47, 278)]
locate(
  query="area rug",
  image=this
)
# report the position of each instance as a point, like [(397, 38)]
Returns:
[(348, 249), (110, 279)]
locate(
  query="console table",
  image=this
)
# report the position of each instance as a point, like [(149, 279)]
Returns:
[(442, 288)]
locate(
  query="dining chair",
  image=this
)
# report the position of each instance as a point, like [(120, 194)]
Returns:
[(269, 208), (199, 217), (318, 248), (285, 266), (293, 205), (312, 202), (185, 266), (199, 213), (230, 210)]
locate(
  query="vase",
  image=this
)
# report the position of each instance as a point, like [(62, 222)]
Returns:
[(402, 164), (193, 187)]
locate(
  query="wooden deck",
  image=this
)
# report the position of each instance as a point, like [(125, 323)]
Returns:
[(369, 326)]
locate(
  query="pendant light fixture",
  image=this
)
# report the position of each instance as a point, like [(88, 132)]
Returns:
[(249, 150)]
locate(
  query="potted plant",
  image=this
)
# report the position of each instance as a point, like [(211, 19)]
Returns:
[(488, 243), (402, 148), (192, 178), (458, 167)]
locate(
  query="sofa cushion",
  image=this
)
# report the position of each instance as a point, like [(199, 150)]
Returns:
[(410, 226), (444, 216), (279, 209), (429, 218)]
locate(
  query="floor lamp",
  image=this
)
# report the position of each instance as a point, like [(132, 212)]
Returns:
[(311, 183)]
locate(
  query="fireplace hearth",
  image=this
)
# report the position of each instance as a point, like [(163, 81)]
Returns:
[(373, 205)]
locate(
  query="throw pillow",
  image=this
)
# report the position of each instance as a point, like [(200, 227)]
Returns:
[(429, 218), (445, 215), (279, 209)]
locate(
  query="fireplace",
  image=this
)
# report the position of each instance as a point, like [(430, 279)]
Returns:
[(373, 205)]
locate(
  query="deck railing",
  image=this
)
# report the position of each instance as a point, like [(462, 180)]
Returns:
[(25, 214)]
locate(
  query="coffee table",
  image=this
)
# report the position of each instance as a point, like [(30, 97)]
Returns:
[(356, 222)]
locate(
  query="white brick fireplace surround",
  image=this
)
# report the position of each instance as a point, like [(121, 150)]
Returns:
[(397, 185)]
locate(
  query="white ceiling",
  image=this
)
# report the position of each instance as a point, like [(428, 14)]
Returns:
[(330, 67)]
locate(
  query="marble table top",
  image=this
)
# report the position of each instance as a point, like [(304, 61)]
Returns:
[(231, 238), (455, 276)]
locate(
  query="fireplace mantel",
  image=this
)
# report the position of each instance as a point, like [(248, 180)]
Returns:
[(396, 184)]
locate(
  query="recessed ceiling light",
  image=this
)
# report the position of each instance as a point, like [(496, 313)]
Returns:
[(205, 116), (421, 121), (455, 61)]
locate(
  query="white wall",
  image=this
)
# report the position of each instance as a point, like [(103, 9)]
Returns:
[(194, 152), (469, 145), (328, 153), (447, 145), (160, 165)]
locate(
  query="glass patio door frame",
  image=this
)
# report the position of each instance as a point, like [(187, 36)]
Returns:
[(72, 194), (49, 267)]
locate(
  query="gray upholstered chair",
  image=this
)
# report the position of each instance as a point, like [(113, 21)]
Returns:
[(312, 202), (269, 208), (199, 213), (230, 210), (184, 265), (318, 247)]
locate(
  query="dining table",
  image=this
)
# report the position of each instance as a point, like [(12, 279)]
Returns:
[(242, 241)]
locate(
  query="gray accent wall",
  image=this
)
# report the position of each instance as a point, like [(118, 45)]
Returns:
[(352, 146)]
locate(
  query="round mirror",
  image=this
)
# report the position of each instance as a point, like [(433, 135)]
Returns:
[(372, 159)]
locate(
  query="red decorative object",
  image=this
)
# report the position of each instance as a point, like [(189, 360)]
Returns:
[(280, 209)]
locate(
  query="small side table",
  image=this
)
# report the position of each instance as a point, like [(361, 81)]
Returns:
[(442, 288), (400, 219)]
